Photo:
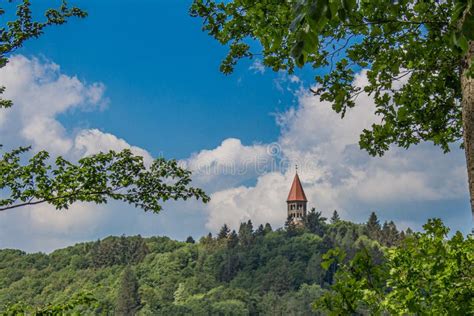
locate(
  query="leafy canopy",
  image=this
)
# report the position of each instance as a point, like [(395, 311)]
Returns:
[(120, 176), (412, 49), (427, 274)]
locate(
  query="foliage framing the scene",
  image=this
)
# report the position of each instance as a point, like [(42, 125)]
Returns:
[(427, 274), (423, 41)]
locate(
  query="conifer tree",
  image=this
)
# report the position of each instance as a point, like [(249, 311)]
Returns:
[(390, 234), (233, 240), (335, 217), (373, 226), (315, 222), (224, 232), (206, 240), (250, 225), (190, 240), (246, 233), (260, 231), (268, 228), (128, 299)]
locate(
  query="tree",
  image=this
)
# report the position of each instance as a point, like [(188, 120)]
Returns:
[(418, 55), (246, 233), (389, 235), (268, 228), (408, 281), (278, 278), (84, 300), (128, 298), (314, 274), (229, 266), (97, 178), (224, 232), (315, 222), (260, 231), (207, 240), (118, 251), (230, 307), (335, 217), (233, 240), (190, 240), (290, 226), (373, 226)]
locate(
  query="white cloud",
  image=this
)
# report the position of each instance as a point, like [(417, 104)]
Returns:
[(257, 66), (245, 181), (262, 203), (93, 141), (338, 175), (229, 164), (40, 93)]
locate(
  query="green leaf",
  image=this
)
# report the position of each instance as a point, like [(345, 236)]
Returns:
[(463, 44)]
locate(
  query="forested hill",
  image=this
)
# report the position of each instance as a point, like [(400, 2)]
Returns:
[(256, 271)]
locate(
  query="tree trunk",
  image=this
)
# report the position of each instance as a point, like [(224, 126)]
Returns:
[(467, 103)]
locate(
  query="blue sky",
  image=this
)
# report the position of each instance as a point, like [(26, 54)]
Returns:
[(161, 74), (144, 76)]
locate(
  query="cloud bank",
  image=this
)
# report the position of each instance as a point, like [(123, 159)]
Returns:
[(246, 181), (408, 186)]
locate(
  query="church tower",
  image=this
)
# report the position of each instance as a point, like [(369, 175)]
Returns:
[(296, 200)]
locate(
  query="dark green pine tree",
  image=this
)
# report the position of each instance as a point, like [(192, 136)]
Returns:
[(224, 232), (401, 236), (315, 222), (268, 228), (390, 235), (232, 240), (385, 234), (394, 234), (260, 231), (373, 227), (207, 240), (335, 217), (128, 299), (246, 233), (190, 240)]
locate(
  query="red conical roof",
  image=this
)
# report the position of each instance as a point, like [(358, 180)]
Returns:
[(296, 191)]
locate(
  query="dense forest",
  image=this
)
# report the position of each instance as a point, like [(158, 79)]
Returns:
[(255, 270)]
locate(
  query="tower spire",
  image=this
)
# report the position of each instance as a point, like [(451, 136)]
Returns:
[(296, 200)]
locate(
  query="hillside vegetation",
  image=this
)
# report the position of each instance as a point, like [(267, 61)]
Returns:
[(250, 271), (256, 271)]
